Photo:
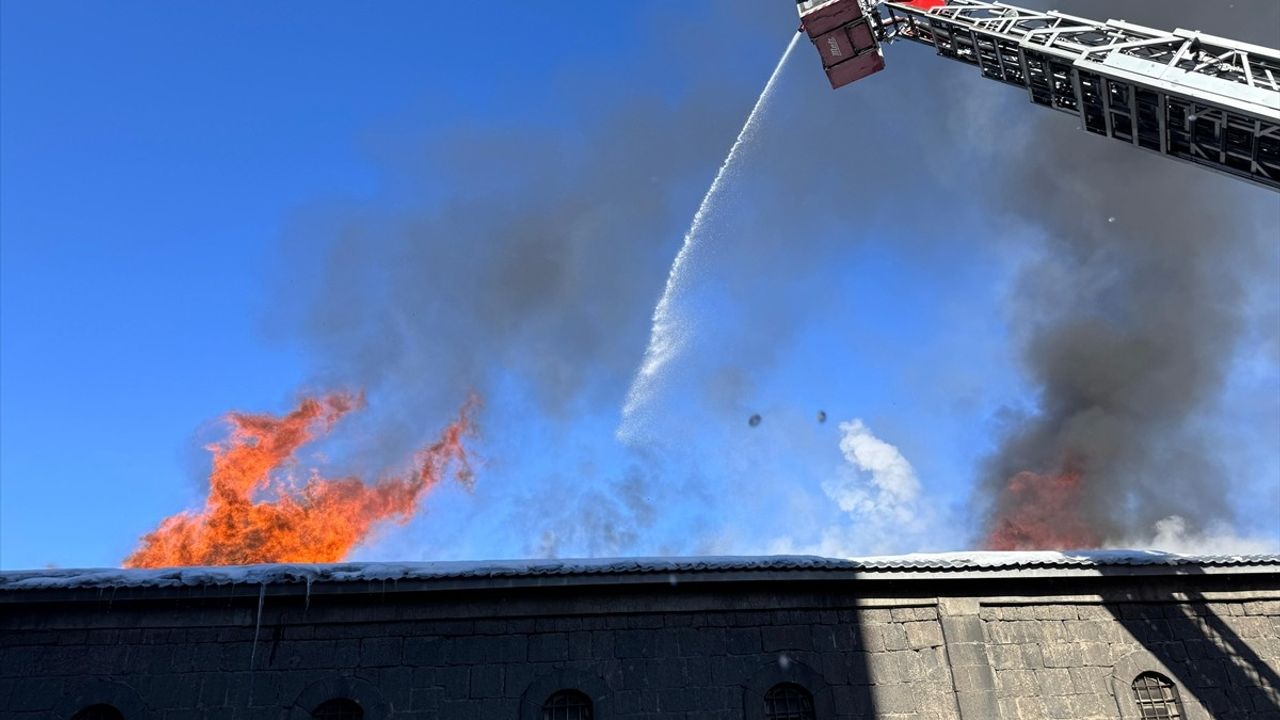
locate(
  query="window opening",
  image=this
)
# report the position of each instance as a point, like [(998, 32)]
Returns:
[(1157, 697), (339, 709), (567, 705), (788, 701), (100, 711)]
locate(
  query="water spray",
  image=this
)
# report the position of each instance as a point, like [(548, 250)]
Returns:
[(668, 333)]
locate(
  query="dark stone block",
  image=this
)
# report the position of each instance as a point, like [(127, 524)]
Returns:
[(204, 655), (105, 659), (603, 645), (665, 643), (633, 675), (376, 652), (786, 637), (732, 670), (486, 681), (95, 637), (518, 677), (675, 700), (1206, 673), (579, 646), (238, 634), (173, 691), (743, 641), (346, 654), (341, 631), (1199, 649), (425, 699), (237, 656), (37, 694), (698, 671), (491, 627), (396, 683), (427, 651), (454, 628), (704, 642), (299, 632), (452, 680), (61, 660), (628, 702), (157, 636), (519, 626), (265, 688), (547, 648), (460, 710), (213, 690), (635, 643), (237, 689), (305, 654), (645, 622)]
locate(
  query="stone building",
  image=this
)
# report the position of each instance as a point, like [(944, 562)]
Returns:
[(986, 636)]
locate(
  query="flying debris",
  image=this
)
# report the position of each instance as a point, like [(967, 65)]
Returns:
[(754, 420), (822, 416)]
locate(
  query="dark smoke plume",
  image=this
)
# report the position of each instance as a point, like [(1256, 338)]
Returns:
[(536, 269), (1129, 318), (533, 273)]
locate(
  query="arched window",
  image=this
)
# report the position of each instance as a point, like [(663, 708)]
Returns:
[(1157, 697), (567, 705), (788, 701), (338, 709), (101, 711)]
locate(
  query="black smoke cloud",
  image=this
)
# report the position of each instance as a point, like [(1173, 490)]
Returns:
[(538, 266), (1129, 318), (531, 275)]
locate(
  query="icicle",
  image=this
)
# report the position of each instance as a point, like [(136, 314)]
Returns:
[(307, 605), (262, 597)]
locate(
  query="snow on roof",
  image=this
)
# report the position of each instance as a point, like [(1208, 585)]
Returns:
[(960, 562), (992, 560)]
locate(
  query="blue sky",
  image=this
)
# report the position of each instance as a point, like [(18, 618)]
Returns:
[(186, 185)]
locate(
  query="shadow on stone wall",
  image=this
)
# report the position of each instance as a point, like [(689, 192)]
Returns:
[(1199, 649)]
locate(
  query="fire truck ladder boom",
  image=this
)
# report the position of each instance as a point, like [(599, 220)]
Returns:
[(1198, 98)]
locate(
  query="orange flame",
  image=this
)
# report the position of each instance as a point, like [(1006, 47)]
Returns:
[(252, 515), (1042, 512)]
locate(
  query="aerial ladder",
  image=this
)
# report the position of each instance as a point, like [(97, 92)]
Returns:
[(1183, 94)]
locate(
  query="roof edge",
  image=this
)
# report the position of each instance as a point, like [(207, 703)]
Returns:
[(963, 565)]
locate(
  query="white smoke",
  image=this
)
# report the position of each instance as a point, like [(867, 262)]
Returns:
[(884, 484), (1175, 535), (877, 492)]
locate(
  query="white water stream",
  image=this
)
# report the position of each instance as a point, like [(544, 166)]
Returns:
[(669, 331)]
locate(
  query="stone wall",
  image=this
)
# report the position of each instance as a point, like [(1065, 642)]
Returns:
[(641, 654), (675, 663), (1077, 660)]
